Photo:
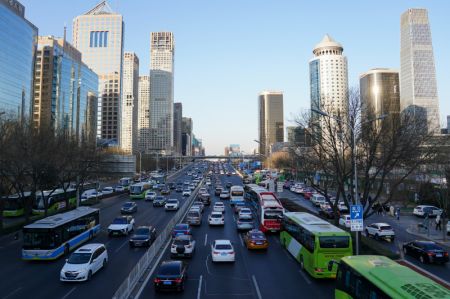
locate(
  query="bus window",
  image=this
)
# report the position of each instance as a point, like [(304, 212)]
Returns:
[(334, 242)]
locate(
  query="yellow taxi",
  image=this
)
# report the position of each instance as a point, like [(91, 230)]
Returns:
[(255, 239)]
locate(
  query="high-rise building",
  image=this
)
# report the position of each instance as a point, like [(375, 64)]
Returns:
[(177, 122), (98, 35), (328, 77), (65, 89), (130, 92), (271, 120), (144, 113), (448, 124), (380, 95), (18, 39), (162, 50), (418, 87), (298, 136), (187, 136)]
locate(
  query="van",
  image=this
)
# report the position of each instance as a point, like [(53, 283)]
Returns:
[(318, 199), (194, 217)]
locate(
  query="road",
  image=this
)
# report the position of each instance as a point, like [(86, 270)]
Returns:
[(266, 274), (21, 279)]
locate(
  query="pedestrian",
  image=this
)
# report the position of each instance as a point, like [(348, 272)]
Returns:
[(438, 222), (398, 214), (380, 209)]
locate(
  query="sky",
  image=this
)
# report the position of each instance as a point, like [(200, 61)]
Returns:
[(228, 51)]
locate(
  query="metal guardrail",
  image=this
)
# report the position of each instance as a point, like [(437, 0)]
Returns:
[(142, 265)]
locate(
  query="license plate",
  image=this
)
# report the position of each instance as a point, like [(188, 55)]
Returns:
[(223, 254), (259, 243), (167, 282), (438, 254)]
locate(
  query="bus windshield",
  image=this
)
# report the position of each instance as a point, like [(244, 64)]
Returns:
[(334, 242), (135, 189), (38, 239), (273, 214)]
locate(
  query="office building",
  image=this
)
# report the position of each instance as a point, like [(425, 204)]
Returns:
[(187, 136), (98, 35), (162, 50), (18, 39), (129, 112), (144, 114), (380, 95), (418, 87), (177, 122), (271, 120), (298, 136), (65, 89)]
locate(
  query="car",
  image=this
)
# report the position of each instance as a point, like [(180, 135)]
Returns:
[(186, 192), (426, 251), (159, 201), (218, 190), (216, 218), (194, 216), (171, 185), (94, 194), (128, 207), (182, 246), (326, 211), (423, 210), (181, 229), (119, 189), (238, 205), (107, 190), (380, 231), (244, 224), (344, 220), (245, 213), (219, 207), (171, 275), (165, 191), (172, 204), (222, 251), (318, 199), (122, 225), (179, 189), (84, 262), (143, 236), (150, 195), (202, 190), (255, 239), (192, 187), (199, 205), (342, 207), (205, 198), (224, 194)]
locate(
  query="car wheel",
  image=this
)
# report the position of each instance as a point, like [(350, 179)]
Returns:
[(422, 259), (89, 275)]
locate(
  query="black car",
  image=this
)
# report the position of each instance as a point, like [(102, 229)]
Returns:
[(171, 276), (218, 191), (143, 236), (426, 251), (128, 207), (171, 185), (159, 201)]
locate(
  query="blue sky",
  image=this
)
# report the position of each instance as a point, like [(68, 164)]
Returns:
[(227, 51)]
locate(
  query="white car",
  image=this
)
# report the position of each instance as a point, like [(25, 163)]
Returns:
[(222, 251), (199, 205), (342, 207), (119, 188), (344, 220), (94, 194), (380, 231), (224, 194), (245, 213), (318, 199), (219, 207), (202, 190), (150, 195), (186, 192), (108, 190), (122, 225), (84, 262), (422, 210), (216, 218), (172, 204), (182, 246)]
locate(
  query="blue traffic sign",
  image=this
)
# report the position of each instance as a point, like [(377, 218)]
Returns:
[(356, 212)]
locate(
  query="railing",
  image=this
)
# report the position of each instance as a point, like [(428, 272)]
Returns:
[(143, 264)]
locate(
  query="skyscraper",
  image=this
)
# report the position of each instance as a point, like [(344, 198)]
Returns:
[(98, 35), (144, 113), (271, 120), (130, 92), (418, 87), (187, 136), (65, 89), (177, 121), (17, 49), (162, 50)]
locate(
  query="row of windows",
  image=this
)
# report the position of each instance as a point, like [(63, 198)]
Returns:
[(300, 234), (98, 39)]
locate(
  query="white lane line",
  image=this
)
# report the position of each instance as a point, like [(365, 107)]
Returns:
[(69, 292), (120, 247), (256, 287), (12, 293), (199, 290), (302, 273), (240, 239), (206, 238)]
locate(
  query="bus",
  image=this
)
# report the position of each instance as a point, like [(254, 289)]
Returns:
[(314, 242), (372, 276), (125, 183), (53, 236), (137, 191), (56, 200), (236, 194), (14, 205), (268, 208)]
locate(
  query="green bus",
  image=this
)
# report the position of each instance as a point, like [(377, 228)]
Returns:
[(138, 190), (56, 201), (14, 205), (378, 277), (314, 242)]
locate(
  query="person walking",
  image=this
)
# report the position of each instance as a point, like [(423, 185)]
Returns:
[(438, 222)]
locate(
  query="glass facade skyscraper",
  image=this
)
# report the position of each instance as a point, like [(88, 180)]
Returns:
[(271, 120), (177, 121), (144, 113), (17, 49)]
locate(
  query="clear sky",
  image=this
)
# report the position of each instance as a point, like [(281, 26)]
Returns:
[(227, 51)]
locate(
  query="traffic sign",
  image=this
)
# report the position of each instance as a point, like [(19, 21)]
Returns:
[(279, 187), (356, 218)]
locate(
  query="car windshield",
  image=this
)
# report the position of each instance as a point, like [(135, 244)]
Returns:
[(128, 205), (218, 204), (172, 269), (79, 258), (431, 246), (257, 236), (192, 214), (245, 211), (334, 242), (386, 227), (159, 198), (172, 201), (246, 220), (142, 231), (181, 227), (119, 221), (223, 247), (181, 242)]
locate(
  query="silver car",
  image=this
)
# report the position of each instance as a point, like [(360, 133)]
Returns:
[(194, 217), (244, 224)]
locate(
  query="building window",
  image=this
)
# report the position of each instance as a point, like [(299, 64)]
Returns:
[(98, 39)]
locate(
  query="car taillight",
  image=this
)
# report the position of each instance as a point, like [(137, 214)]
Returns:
[(178, 280), (445, 253), (157, 280), (231, 252), (216, 252), (430, 253)]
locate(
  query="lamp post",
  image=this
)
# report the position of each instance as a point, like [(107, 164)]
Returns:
[(354, 149)]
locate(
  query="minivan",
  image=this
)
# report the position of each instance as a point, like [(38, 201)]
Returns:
[(318, 199), (194, 217)]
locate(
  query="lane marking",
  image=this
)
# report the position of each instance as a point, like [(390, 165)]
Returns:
[(302, 273), (206, 239), (255, 283), (68, 293), (12, 293), (199, 290), (120, 247), (240, 239)]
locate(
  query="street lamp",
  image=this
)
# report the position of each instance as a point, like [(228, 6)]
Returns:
[(354, 148)]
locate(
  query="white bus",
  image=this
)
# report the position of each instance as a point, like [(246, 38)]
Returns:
[(125, 183), (236, 194), (51, 237)]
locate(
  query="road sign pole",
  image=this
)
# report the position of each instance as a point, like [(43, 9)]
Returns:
[(356, 222)]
